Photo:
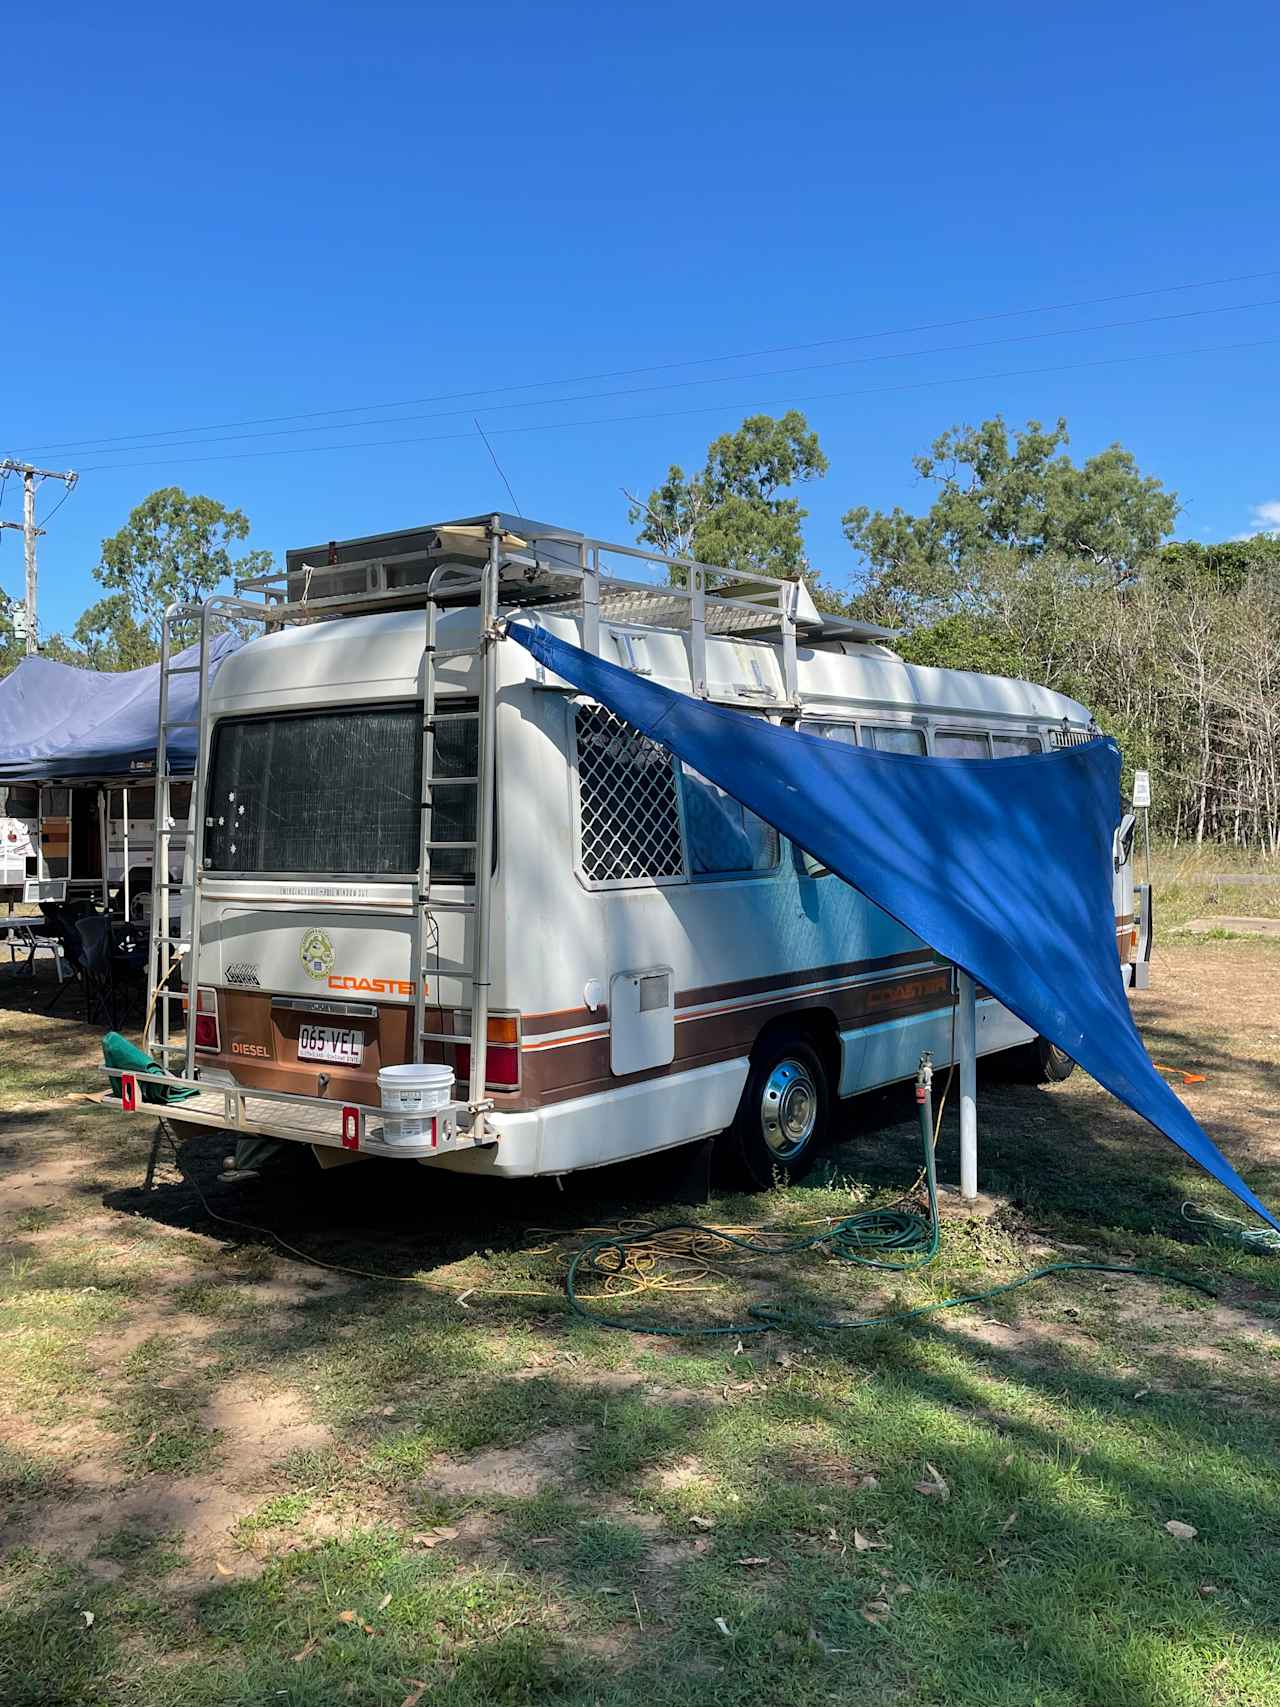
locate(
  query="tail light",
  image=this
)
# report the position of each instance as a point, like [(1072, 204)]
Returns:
[(502, 1057), (207, 1020)]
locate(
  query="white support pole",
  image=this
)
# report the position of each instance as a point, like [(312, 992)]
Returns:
[(124, 825), (967, 1058), (104, 839)]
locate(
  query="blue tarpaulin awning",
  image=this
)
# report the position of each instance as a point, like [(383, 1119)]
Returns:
[(1002, 865), (59, 723)]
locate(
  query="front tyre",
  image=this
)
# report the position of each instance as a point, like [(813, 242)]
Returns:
[(783, 1118), (1043, 1063)]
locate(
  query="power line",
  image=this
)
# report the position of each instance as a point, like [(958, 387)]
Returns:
[(704, 409), (96, 444), (45, 520), (727, 379)]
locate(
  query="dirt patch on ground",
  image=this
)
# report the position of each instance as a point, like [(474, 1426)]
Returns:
[(193, 1514), (257, 1421), (44, 1182), (514, 1471)]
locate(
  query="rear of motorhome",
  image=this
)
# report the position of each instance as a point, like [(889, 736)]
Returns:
[(412, 844)]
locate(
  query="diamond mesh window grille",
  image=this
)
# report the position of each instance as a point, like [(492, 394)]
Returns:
[(628, 808)]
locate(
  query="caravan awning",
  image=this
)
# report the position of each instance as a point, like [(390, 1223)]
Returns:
[(1002, 865), (58, 723)]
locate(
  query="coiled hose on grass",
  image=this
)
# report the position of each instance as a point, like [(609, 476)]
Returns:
[(896, 1239)]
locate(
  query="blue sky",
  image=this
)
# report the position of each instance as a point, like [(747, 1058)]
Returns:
[(217, 215)]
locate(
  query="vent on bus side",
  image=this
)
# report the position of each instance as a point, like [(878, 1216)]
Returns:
[(1071, 737), (629, 815)]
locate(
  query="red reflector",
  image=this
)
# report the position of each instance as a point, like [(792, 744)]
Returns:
[(206, 1031), (350, 1128), (502, 1067), (128, 1092)]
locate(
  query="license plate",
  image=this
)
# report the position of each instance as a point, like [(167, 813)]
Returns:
[(342, 1045)]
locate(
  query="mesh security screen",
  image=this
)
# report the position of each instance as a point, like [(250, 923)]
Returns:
[(335, 791), (630, 817)]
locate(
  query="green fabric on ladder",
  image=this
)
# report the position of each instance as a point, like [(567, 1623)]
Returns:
[(119, 1053)]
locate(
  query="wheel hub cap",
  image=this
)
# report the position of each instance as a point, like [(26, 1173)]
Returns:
[(788, 1109)]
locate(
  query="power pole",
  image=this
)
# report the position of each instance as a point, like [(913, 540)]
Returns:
[(30, 531)]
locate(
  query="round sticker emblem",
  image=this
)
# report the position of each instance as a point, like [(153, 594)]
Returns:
[(317, 954)]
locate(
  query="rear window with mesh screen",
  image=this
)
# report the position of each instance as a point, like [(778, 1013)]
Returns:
[(628, 808), (337, 792)]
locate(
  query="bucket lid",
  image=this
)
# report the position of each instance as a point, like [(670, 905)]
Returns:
[(417, 1073)]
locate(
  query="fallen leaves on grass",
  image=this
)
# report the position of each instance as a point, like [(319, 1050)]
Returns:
[(222, 1570), (753, 1560), (703, 1522), (305, 1652), (415, 1694), (433, 1537), (1181, 1531), (864, 1544), (88, 1620), (934, 1484), (876, 1611), (723, 1628)]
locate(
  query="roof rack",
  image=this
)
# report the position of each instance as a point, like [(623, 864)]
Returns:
[(542, 566)]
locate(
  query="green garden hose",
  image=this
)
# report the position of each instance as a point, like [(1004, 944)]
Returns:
[(896, 1239)]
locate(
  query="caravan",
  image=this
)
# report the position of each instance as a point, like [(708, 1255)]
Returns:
[(410, 845)]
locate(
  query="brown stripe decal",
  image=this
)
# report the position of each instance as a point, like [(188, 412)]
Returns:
[(809, 975), (580, 1066)]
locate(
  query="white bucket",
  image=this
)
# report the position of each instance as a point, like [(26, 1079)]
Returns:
[(409, 1096)]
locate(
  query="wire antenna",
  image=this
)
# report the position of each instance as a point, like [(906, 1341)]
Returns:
[(515, 503)]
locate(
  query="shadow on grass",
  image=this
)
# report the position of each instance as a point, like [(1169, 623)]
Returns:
[(1045, 1575)]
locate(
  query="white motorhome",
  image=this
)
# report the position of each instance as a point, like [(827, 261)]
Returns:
[(412, 844)]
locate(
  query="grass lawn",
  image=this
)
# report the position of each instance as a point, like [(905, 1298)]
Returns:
[(228, 1475)]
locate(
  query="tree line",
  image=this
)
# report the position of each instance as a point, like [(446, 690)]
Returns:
[(1022, 562)]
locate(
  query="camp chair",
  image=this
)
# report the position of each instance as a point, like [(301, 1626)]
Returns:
[(97, 972), (129, 956), (60, 922)]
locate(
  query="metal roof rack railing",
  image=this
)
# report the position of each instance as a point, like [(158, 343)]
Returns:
[(539, 567)]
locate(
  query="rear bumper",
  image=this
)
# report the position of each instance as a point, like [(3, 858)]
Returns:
[(305, 1120), (582, 1132)]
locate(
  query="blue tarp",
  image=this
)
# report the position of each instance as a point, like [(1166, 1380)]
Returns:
[(1002, 865), (58, 722)]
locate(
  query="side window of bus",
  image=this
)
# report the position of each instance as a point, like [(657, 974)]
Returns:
[(724, 838), (845, 732), (847, 735), (628, 828), (893, 738), (1015, 746), (961, 744)]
